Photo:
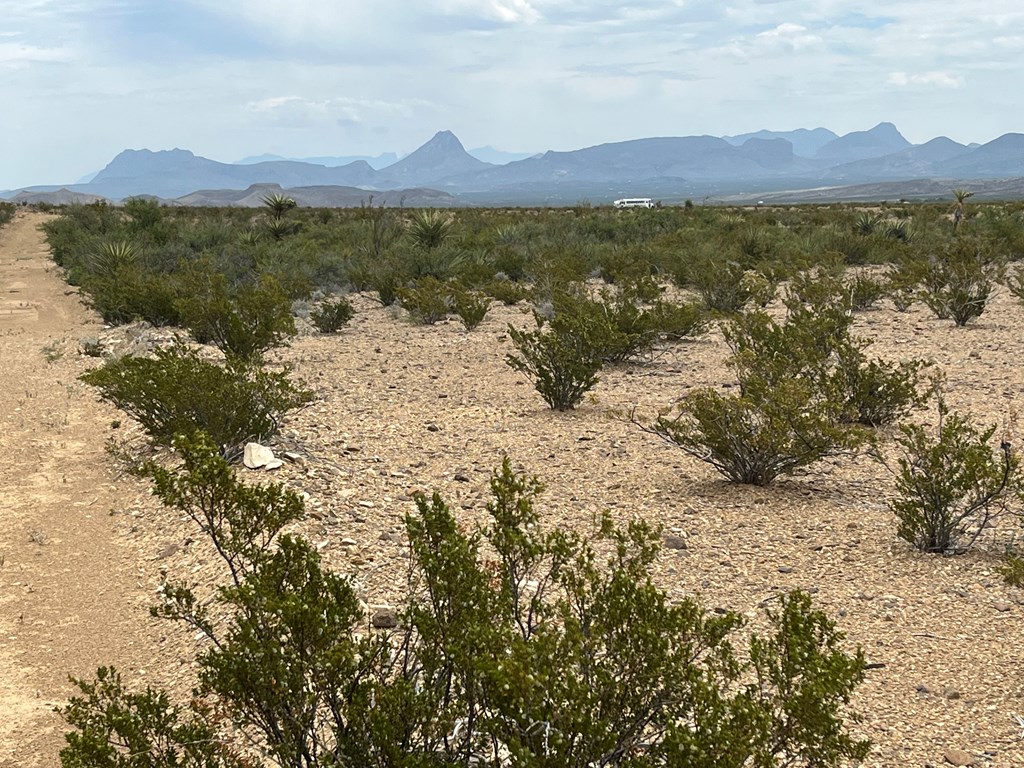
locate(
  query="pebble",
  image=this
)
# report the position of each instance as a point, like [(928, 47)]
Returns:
[(959, 757), (672, 541), (1002, 607), (785, 569)]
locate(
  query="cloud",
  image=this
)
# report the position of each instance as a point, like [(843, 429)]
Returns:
[(789, 35), (20, 54), (935, 79)]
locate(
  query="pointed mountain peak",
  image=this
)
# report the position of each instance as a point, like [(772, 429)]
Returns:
[(440, 157), (444, 140)]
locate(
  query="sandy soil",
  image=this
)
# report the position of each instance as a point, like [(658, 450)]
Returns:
[(70, 593), (401, 407)]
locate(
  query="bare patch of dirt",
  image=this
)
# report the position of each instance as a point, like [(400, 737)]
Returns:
[(71, 595)]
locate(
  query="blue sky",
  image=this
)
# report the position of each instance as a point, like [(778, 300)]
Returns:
[(80, 80)]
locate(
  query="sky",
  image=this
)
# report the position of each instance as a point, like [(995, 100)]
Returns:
[(81, 80)]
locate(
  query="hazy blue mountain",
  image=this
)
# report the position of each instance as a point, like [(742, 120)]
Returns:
[(660, 167), (914, 162), (806, 142), (881, 140), (440, 158), (176, 172), (374, 161), (999, 158), (498, 157)]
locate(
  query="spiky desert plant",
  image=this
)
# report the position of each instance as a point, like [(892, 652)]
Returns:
[(278, 204)]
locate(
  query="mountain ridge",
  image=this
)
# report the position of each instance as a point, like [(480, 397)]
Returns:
[(679, 165)]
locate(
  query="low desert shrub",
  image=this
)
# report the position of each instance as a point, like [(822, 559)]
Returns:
[(865, 290), (6, 213), (678, 320), (721, 284), (767, 430), (508, 292), (427, 301), (562, 364), (815, 344), (331, 315), (178, 391), (243, 323), (950, 484), (960, 280), (518, 644), (470, 306), (1012, 569)]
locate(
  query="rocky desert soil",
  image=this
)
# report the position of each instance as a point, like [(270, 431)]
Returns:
[(401, 407)]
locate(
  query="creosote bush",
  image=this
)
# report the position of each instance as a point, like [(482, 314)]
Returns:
[(178, 391), (470, 306), (243, 323), (562, 363), (767, 430), (331, 315), (428, 301), (960, 280), (952, 483), (518, 645)]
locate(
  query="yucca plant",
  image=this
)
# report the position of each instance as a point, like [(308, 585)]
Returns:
[(278, 204), (113, 258), (429, 228)]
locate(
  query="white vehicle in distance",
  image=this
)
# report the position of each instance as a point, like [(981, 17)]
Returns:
[(634, 202)]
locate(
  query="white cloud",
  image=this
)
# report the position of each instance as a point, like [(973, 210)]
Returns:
[(22, 54), (794, 36), (936, 79)]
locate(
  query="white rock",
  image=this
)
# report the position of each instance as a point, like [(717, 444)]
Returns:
[(256, 456)]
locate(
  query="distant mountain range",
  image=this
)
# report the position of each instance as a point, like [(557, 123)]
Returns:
[(442, 172)]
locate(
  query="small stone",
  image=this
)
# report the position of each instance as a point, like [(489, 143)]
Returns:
[(672, 541), (921, 688), (167, 551), (461, 477), (785, 569), (1002, 607), (383, 617), (951, 693), (433, 428), (959, 757), (347, 542)]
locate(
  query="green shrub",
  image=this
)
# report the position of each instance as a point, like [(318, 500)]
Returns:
[(470, 306), (769, 429), (330, 315), (6, 213), (876, 393), (177, 391), (517, 645), (1012, 569), (951, 484), (615, 326), (245, 322), (865, 291), (960, 281), (675, 321), (427, 301), (815, 345), (562, 365), (508, 292), (116, 728), (721, 284)]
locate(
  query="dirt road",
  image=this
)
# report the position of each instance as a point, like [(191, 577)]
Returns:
[(70, 593)]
